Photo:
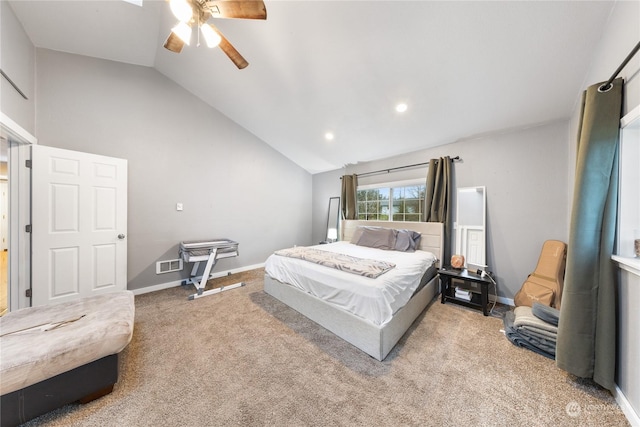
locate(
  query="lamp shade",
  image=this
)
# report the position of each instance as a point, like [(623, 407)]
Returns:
[(181, 10), (183, 31), (332, 234), (210, 36)]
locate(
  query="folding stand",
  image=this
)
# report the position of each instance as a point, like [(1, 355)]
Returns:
[(210, 251)]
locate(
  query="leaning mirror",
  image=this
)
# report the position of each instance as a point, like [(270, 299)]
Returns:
[(470, 226), (333, 219)]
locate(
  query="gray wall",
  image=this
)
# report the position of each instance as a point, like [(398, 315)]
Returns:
[(17, 60), (179, 150), (526, 179)]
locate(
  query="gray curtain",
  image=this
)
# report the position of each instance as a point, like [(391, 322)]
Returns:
[(438, 198), (348, 196), (586, 344)]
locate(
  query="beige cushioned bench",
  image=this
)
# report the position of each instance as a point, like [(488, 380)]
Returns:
[(41, 344)]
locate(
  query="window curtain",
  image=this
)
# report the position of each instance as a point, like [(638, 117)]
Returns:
[(586, 345), (348, 196), (438, 198)]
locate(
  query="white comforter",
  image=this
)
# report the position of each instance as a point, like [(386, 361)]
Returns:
[(373, 299)]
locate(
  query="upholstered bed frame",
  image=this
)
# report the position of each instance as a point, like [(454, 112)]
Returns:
[(375, 340)]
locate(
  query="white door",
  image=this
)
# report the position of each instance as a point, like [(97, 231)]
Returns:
[(475, 247), (79, 225)]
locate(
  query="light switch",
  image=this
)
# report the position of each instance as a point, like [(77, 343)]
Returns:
[(178, 206)]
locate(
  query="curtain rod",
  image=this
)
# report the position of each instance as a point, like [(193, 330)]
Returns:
[(606, 86), (12, 83), (453, 159)]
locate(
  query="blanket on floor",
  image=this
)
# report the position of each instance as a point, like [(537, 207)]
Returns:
[(535, 339), (524, 317)]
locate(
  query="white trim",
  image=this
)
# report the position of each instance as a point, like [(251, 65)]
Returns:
[(19, 150), (632, 265), (394, 184), (630, 116), (627, 409), (504, 300), (16, 130), (176, 283)]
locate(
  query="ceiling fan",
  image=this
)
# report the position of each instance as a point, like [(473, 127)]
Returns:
[(198, 12)]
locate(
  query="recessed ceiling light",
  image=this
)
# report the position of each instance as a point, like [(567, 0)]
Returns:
[(329, 136), (401, 108)]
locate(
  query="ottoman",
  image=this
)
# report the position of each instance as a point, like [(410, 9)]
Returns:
[(57, 354)]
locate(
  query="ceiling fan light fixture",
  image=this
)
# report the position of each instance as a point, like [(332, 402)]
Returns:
[(212, 38), (195, 13), (183, 31), (181, 9)]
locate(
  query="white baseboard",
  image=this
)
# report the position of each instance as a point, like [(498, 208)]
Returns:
[(627, 409), (167, 285), (506, 301), (501, 300)]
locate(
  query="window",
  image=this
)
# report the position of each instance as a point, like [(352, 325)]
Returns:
[(373, 204), (629, 204), (389, 202)]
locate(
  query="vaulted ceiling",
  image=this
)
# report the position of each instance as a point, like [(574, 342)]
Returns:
[(462, 68)]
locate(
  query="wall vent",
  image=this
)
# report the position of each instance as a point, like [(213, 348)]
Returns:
[(168, 266)]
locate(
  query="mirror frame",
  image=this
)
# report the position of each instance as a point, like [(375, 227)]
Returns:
[(463, 231), (333, 220)]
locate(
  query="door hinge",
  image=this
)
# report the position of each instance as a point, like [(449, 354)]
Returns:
[(27, 163), (27, 228), (27, 293)]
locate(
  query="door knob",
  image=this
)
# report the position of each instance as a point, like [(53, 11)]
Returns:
[(120, 236)]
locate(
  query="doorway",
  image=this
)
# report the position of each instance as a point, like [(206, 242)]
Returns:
[(15, 275), (20, 269)]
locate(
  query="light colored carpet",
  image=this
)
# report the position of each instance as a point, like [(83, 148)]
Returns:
[(243, 358)]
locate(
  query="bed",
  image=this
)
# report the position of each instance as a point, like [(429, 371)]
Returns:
[(374, 329)]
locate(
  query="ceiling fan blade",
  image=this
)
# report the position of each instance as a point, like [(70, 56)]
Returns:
[(174, 43), (231, 51), (248, 9)]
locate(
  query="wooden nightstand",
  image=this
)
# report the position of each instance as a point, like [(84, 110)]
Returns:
[(446, 275)]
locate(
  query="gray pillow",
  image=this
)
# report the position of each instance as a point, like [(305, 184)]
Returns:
[(377, 237), (407, 240), (357, 234), (416, 237)]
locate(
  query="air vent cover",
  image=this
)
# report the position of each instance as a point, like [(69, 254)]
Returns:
[(168, 266)]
